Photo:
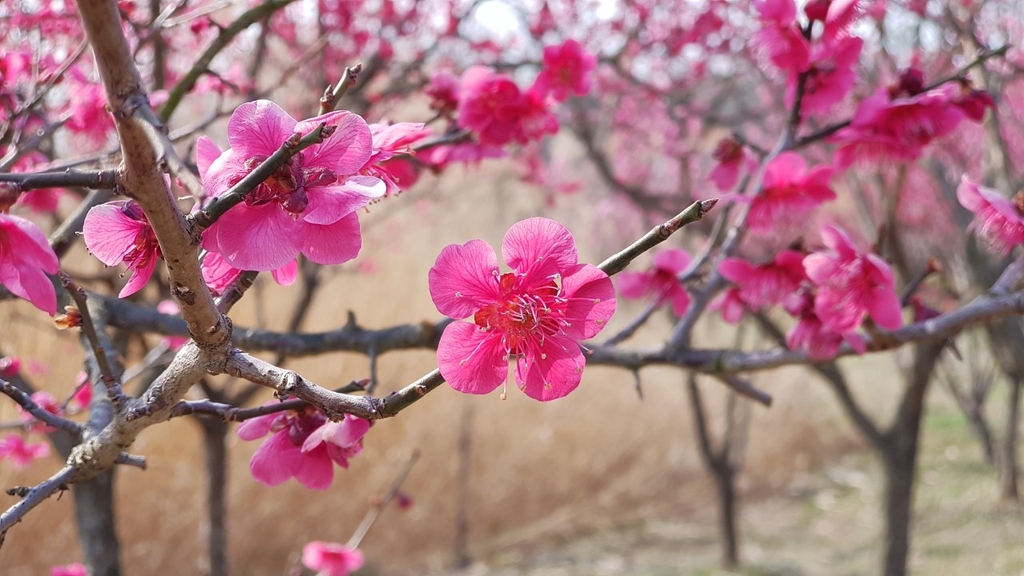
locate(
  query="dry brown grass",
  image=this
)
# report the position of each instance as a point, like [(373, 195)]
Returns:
[(538, 470)]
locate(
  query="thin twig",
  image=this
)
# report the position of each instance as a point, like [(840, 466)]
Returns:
[(33, 498), (38, 412), (203, 219), (657, 235), (379, 505), (89, 328)]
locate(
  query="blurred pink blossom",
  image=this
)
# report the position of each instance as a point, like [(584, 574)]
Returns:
[(662, 280), (21, 453), (567, 71), (851, 284), (69, 570), (765, 284), (996, 218), (789, 193), (329, 559)]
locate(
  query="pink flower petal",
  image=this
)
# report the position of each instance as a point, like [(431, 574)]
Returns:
[(32, 285), (331, 244), (539, 248), (736, 270), (206, 154), (552, 371), (884, 307), (328, 204), (316, 470), (285, 275), (255, 237), (259, 128), (591, 301), (276, 460), (108, 233), (257, 427), (633, 284), (672, 260), (344, 152), (464, 279), (138, 280), (471, 360), (680, 299), (819, 267)]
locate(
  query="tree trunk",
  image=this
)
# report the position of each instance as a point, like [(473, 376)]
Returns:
[(94, 513), (1009, 469), (216, 454), (720, 464), (900, 465), (899, 457), (724, 479)]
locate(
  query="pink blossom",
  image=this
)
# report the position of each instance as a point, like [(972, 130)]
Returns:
[(537, 313), (218, 274), (780, 38), (308, 206), (443, 91), (765, 284), (812, 336), (303, 445), (851, 284), (87, 113), (662, 280), (567, 70), (9, 366), (789, 193), (490, 105), (171, 307), (329, 559), (730, 305), (41, 199), (830, 76), (896, 123), (47, 402), (118, 232), (439, 157), (996, 218), (69, 570), (536, 118), (83, 393), (21, 453), (25, 260), (495, 109), (733, 160), (390, 140)]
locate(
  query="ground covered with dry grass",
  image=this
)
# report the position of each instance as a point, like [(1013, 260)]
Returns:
[(825, 523)]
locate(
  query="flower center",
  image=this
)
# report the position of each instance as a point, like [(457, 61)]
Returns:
[(523, 315), (302, 424), (288, 185)]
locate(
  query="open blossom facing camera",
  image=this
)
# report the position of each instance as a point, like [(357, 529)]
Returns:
[(308, 206), (25, 260), (567, 71), (303, 445), (536, 314)]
